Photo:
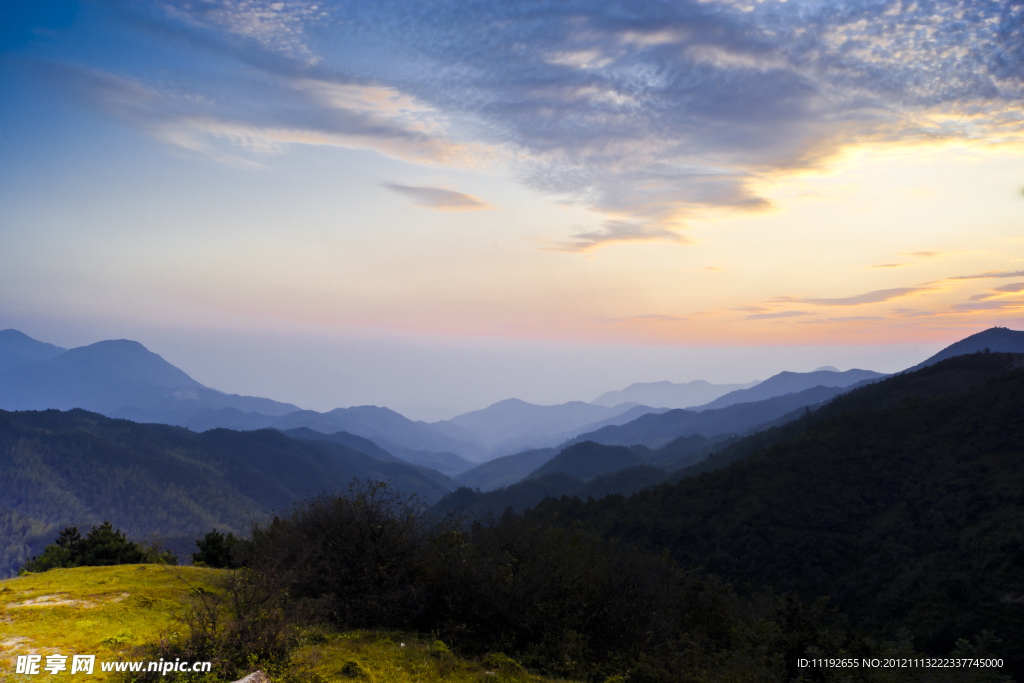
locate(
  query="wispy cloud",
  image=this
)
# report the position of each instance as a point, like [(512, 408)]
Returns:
[(1014, 287), (923, 254), (305, 112), (990, 306), (647, 317), (999, 291), (278, 26), (439, 199), (780, 314), (989, 274), (618, 231), (874, 297), (891, 265)]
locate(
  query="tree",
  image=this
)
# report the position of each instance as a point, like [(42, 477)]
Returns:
[(102, 547)]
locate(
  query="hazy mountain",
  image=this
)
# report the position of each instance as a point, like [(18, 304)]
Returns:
[(121, 378), (118, 378), (791, 382), (668, 394), (586, 460), (81, 468), (17, 348), (356, 443), (504, 471), (657, 430), (993, 339), (531, 492), (513, 425)]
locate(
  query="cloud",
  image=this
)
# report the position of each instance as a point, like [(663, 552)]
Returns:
[(612, 232), (891, 265), (302, 111), (649, 113), (648, 317), (877, 296), (780, 314), (1014, 287), (923, 254), (439, 199), (278, 26), (989, 274), (998, 291), (990, 306)]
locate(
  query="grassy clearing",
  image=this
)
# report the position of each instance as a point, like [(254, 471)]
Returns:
[(108, 611), (382, 657), (102, 611)]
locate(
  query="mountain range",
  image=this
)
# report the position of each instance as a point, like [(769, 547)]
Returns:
[(121, 378), (79, 468)]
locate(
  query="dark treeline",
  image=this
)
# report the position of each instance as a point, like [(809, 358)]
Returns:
[(102, 547), (562, 601)]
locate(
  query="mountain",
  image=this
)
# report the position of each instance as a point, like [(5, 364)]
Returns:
[(17, 348), (999, 339), (791, 382), (509, 469), (121, 378), (81, 468), (512, 425), (587, 460), (668, 394), (531, 492), (657, 430), (356, 443), (901, 501)]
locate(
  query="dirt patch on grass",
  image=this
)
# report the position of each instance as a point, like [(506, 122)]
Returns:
[(12, 644), (63, 600)]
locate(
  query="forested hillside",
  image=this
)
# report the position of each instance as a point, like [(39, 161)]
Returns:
[(79, 468), (903, 502)]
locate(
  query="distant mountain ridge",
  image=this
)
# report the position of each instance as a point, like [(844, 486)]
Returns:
[(657, 429), (791, 382), (123, 379), (669, 394), (17, 348), (513, 425)]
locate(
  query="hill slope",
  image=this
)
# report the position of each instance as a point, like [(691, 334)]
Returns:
[(80, 468), (906, 508), (509, 469), (999, 339)]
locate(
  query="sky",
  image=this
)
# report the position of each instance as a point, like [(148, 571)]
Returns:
[(434, 206)]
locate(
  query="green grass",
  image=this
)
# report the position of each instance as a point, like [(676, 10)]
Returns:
[(108, 611), (102, 611), (382, 657)]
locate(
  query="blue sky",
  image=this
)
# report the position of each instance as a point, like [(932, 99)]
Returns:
[(651, 182)]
